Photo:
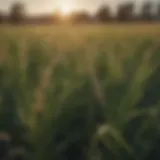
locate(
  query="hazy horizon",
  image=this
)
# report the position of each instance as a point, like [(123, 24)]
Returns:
[(39, 6)]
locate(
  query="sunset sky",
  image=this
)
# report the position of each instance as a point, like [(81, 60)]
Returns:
[(47, 6)]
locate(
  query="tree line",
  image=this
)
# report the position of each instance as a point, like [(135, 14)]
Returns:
[(125, 13)]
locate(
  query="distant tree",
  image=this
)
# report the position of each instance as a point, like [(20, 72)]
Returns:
[(17, 13), (125, 12), (41, 19), (146, 13), (158, 12), (103, 14), (80, 17), (1, 18)]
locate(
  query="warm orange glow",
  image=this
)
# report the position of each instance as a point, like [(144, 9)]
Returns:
[(66, 10)]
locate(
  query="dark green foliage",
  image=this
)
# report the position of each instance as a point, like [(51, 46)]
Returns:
[(108, 111)]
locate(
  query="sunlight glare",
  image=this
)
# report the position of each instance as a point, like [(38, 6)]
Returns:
[(65, 10)]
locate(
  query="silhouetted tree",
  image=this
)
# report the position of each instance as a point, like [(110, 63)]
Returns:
[(146, 14), (17, 13), (103, 14), (41, 19), (158, 12), (1, 18), (80, 17), (125, 12)]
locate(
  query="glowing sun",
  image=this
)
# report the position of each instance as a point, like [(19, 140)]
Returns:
[(65, 10)]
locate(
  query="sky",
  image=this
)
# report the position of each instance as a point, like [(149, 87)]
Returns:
[(47, 6)]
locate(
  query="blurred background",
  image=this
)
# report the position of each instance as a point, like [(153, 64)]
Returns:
[(79, 80), (90, 11)]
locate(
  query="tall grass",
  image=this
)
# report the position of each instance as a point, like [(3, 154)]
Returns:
[(81, 97)]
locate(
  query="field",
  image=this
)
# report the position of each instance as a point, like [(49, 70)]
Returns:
[(85, 92)]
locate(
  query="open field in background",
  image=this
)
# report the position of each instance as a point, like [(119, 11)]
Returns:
[(81, 92), (110, 29)]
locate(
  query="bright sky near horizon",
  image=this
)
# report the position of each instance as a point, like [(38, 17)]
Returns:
[(47, 6)]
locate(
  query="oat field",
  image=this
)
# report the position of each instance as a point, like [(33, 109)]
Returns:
[(86, 92)]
